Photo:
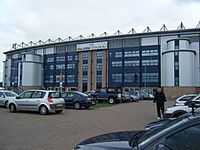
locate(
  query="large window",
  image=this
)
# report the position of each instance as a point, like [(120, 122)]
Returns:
[(131, 54), (131, 63), (85, 56), (150, 77), (99, 66), (51, 79), (50, 59), (153, 62), (69, 58), (84, 78), (60, 58), (60, 66), (131, 77), (118, 54), (58, 78), (117, 77), (70, 66), (51, 67), (70, 78), (85, 67), (99, 55), (116, 63), (99, 78), (150, 53)]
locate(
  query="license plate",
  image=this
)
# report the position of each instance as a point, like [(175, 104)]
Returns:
[(59, 105)]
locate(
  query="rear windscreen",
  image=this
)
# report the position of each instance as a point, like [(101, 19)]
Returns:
[(54, 95)]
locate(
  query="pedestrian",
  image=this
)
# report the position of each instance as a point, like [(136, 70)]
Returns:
[(160, 100)]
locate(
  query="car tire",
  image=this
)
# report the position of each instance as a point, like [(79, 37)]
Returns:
[(77, 105), (87, 107), (132, 100), (43, 110), (58, 111), (12, 108), (111, 100)]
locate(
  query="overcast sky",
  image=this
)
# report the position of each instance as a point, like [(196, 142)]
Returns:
[(33, 20)]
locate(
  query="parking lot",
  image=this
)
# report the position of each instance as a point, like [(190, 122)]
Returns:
[(31, 131)]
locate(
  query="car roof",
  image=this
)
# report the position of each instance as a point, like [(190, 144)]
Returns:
[(7, 91), (43, 90)]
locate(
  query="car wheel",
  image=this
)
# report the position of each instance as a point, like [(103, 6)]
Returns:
[(58, 111), (77, 105), (132, 99), (87, 107), (12, 108), (43, 110), (111, 100)]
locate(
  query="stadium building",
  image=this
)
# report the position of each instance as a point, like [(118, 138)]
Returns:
[(167, 58)]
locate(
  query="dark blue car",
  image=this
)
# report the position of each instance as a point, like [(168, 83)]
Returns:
[(77, 99)]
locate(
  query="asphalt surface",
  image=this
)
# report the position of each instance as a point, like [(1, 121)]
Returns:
[(31, 131)]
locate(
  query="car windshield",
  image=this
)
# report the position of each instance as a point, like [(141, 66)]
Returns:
[(148, 136), (54, 95), (10, 94)]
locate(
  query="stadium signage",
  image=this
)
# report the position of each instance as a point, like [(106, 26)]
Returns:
[(92, 46)]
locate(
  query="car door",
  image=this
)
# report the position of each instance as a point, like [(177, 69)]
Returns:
[(23, 100), (2, 99), (35, 100), (69, 99)]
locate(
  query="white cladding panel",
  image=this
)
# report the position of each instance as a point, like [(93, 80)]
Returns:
[(186, 68), (168, 69), (8, 72), (184, 44), (170, 45), (31, 74), (49, 50), (195, 46), (39, 52), (149, 41)]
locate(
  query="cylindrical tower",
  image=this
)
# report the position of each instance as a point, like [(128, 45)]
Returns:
[(178, 63)]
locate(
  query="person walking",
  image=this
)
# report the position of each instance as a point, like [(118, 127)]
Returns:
[(160, 100)]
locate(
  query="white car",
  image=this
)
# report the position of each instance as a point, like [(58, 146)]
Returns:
[(5, 96), (181, 100), (175, 111), (38, 100)]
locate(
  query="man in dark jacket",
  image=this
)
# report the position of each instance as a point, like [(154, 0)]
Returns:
[(160, 100)]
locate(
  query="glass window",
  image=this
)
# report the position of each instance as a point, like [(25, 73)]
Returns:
[(60, 66), (150, 77), (131, 53), (99, 78), (99, 54), (51, 79), (131, 77), (60, 58), (85, 56), (149, 52), (84, 78), (117, 77), (99, 66), (2, 95), (59, 78), (50, 59), (70, 78), (69, 58), (10, 94), (118, 54), (51, 67), (153, 62), (76, 57), (26, 95), (70, 66), (85, 67), (116, 63), (38, 94), (185, 139), (131, 63)]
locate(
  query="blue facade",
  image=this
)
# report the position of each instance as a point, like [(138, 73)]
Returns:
[(135, 67)]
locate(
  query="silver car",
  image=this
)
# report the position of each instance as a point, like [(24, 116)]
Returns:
[(5, 96), (38, 100)]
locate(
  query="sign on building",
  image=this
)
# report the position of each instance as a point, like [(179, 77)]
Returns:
[(92, 46)]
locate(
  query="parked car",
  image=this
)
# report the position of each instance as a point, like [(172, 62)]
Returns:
[(38, 100), (135, 95), (126, 97), (5, 96), (111, 95), (178, 110), (184, 98), (89, 92), (180, 133), (77, 99)]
